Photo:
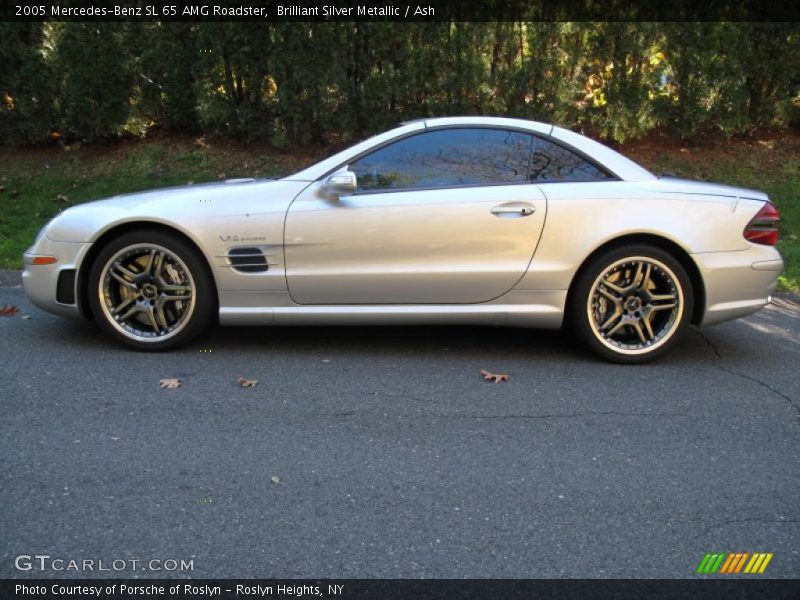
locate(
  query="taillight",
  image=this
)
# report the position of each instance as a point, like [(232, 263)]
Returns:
[(763, 228)]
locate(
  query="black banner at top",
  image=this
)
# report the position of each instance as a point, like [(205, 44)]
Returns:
[(400, 10)]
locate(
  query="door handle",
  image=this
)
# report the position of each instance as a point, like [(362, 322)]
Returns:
[(523, 210)]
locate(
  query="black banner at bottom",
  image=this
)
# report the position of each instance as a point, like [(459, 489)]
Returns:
[(399, 589)]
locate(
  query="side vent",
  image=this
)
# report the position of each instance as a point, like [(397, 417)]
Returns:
[(65, 287), (248, 260)]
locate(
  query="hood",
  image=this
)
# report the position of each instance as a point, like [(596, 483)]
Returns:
[(175, 206), (215, 189)]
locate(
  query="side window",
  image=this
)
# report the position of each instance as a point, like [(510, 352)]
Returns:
[(448, 157), (552, 163)]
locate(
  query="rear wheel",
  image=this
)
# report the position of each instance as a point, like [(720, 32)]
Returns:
[(631, 304), (150, 290)]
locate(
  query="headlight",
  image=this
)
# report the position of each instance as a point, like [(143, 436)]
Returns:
[(40, 235), (42, 231)]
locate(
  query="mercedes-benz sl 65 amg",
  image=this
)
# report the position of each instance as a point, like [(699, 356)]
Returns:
[(469, 220)]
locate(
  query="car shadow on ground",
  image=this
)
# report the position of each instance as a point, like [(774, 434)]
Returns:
[(400, 341)]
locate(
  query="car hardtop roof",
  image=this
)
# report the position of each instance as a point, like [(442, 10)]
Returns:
[(430, 122), (620, 166)]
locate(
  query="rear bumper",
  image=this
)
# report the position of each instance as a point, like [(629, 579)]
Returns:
[(40, 282), (737, 283)]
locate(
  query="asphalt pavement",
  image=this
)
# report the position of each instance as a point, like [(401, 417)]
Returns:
[(381, 453)]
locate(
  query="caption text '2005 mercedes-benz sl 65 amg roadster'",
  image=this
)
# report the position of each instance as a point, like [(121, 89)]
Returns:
[(471, 220)]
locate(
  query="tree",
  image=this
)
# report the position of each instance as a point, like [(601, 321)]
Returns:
[(27, 111), (96, 81)]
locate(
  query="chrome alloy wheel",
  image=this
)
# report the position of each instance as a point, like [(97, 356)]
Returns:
[(635, 305), (147, 292)]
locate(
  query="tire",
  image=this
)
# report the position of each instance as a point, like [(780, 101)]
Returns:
[(631, 304), (151, 290)]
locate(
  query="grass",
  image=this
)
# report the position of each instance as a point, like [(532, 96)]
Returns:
[(36, 184)]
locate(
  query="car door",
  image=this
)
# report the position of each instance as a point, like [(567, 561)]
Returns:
[(445, 216)]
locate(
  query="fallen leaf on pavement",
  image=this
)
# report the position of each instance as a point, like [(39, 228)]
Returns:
[(246, 383), (275, 479), (8, 311), (497, 378), (170, 384)]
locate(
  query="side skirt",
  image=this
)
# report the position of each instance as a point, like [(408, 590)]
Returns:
[(518, 308)]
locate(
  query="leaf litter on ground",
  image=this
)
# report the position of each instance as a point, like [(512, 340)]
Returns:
[(497, 378), (246, 383)]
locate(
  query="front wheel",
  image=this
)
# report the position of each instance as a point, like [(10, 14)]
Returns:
[(150, 290), (631, 304)]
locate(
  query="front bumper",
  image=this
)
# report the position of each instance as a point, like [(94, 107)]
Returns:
[(737, 283), (40, 281)]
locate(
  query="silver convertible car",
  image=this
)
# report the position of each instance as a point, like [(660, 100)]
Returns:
[(450, 220)]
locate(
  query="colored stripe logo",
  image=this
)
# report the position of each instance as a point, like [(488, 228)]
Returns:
[(734, 562)]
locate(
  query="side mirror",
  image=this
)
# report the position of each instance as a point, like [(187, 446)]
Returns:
[(341, 183)]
